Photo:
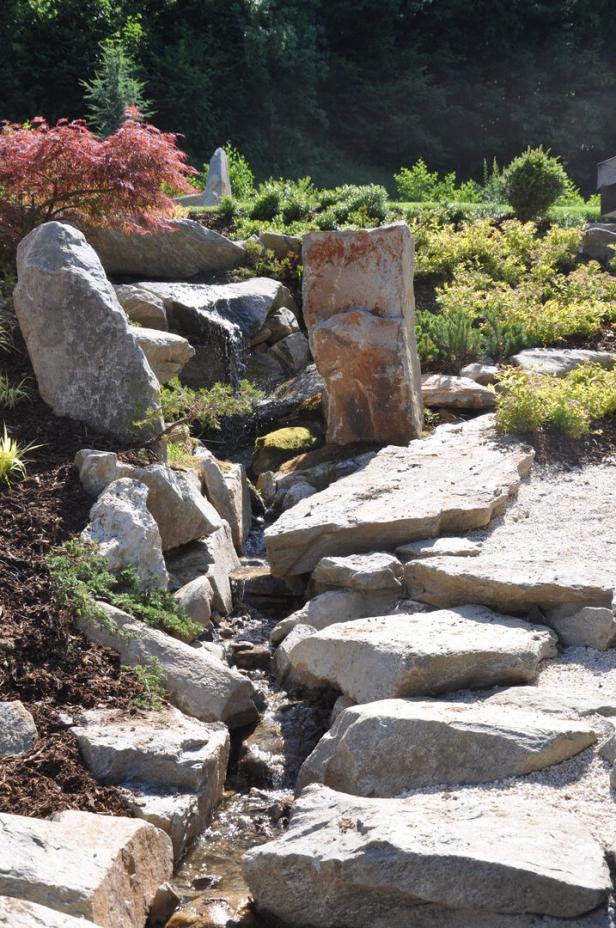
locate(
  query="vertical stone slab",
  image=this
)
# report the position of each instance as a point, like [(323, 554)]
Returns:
[(218, 183), (359, 308)]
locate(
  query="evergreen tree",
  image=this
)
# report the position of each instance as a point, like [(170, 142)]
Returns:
[(114, 88)]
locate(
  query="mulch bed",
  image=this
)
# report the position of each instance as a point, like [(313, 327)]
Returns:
[(44, 661)]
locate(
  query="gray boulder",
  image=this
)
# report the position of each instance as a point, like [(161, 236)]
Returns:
[(178, 252), (17, 913), (599, 242), (422, 654), (17, 729), (559, 361), (218, 184), (426, 861), (167, 354), (388, 747), (142, 307), (362, 572), (87, 363), (196, 681), (100, 867), (455, 392), (126, 534)]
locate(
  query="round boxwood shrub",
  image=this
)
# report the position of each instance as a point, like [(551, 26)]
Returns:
[(533, 182)]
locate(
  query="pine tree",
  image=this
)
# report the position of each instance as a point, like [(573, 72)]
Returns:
[(113, 89)]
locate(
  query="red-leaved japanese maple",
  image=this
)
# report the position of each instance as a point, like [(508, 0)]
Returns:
[(67, 172)]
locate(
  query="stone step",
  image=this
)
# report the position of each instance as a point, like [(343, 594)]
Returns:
[(575, 601), (99, 867), (419, 654), (427, 860), (456, 480), (387, 747)]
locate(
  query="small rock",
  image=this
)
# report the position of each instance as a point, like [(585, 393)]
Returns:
[(226, 487), (17, 913), (195, 598), (292, 351), (17, 729), (455, 392), (300, 490), (485, 374), (559, 361), (167, 354), (281, 323), (362, 572), (142, 306), (280, 244), (282, 629), (214, 557)]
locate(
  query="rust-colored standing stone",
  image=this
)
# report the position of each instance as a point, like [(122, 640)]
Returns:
[(360, 312)]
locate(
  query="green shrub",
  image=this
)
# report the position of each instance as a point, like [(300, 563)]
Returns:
[(13, 458), (152, 677), (207, 406), (417, 184), (81, 576), (533, 182), (449, 338), (372, 198), (228, 208), (267, 203), (525, 401)]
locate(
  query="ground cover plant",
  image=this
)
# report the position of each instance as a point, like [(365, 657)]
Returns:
[(573, 404)]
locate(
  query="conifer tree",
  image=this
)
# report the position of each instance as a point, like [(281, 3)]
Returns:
[(114, 89)]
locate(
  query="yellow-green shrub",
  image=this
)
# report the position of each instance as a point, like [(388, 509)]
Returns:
[(525, 401)]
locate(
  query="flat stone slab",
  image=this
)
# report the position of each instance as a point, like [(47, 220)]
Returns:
[(362, 572), (559, 361), (576, 602), (100, 867), (421, 654), (17, 913), (559, 701), (387, 747), (438, 547), (17, 729), (391, 863), (455, 392), (196, 682), (182, 250), (456, 480)]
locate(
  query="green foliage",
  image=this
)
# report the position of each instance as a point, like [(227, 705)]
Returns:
[(417, 184), (178, 455), (533, 182), (267, 203), (11, 395), (113, 89), (228, 208), (264, 263), (526, 401), (152, 677), (13, 458), (207, 406), (82, 576), (449, 338)]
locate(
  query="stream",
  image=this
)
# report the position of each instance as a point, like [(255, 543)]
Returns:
[(265, 760)]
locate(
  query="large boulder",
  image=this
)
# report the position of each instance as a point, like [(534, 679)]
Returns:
[(88, 364), (426, 861), (359, 307), (17, 729), (599, 242), (218, 184), (17, 913), (174, 497), (388, 747), (181, 250), (125, 533), (100, 867), (167, 353), (172, 768), (456, 480), (422, 654), (196, 682), (220, 321)]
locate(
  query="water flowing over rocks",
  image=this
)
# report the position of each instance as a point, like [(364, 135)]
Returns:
[(387, 747), (178, 252), (456, 480), (421, 654), (87, 364), (359, 308), (103, 868), (384, 863), (196, 681)]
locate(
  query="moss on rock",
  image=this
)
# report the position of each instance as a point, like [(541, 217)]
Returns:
[(273, 449)]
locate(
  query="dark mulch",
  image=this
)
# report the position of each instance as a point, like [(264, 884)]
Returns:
[(211, 220), (44, 661), (556, 448)]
